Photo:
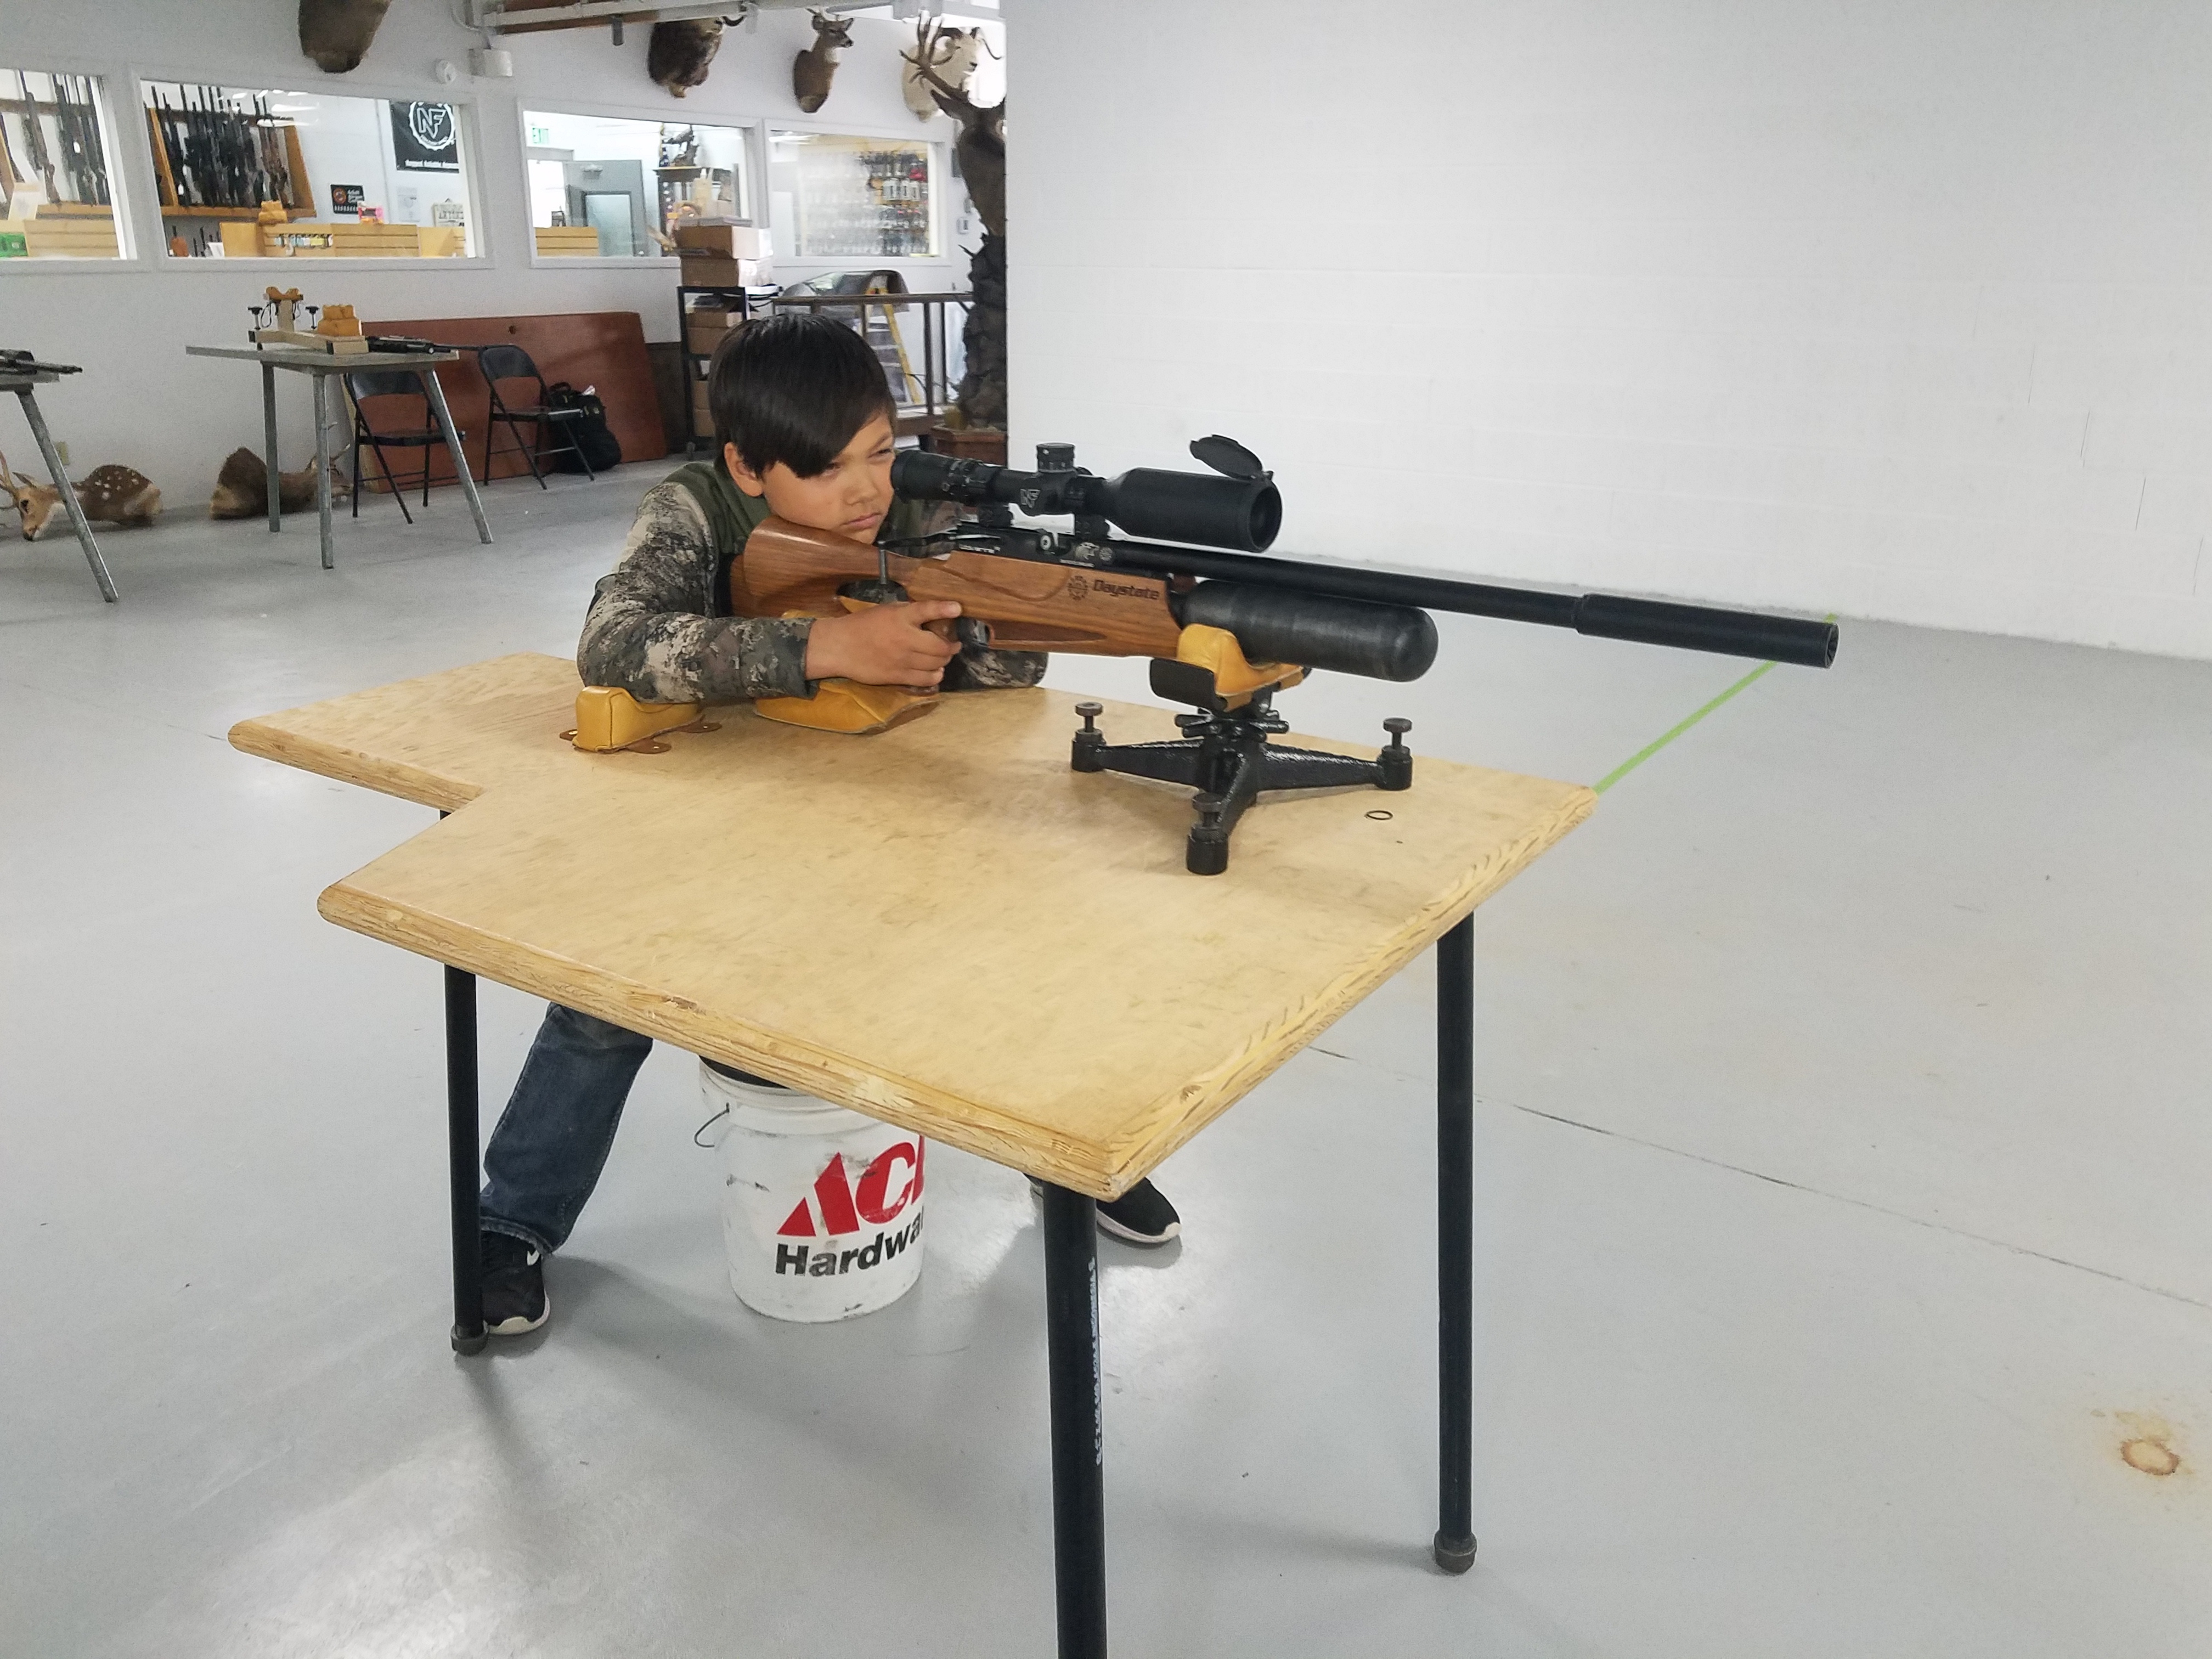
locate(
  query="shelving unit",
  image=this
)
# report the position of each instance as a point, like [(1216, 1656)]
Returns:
[(737, 303)]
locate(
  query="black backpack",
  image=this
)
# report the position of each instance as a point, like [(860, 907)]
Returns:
[(589, 430)]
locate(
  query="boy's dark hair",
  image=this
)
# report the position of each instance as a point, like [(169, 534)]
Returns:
[(794, 388)]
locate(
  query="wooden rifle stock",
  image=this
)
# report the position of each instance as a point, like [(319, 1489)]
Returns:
[(1028, 604)]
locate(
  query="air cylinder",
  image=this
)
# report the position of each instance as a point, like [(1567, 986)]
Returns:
[(1346, 636)]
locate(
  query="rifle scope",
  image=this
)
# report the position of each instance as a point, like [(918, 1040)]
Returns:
[(1242, 514), (1241, 510)]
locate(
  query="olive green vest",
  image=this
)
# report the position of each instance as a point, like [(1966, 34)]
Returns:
[(732, 515)]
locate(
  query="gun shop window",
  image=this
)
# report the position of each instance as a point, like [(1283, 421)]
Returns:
[(57, 200), (250, 173), (849, 197), (602, 187)]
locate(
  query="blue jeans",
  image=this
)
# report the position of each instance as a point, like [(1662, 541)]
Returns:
[(551, 1142)]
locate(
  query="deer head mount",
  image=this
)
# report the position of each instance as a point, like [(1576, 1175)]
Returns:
[(337, 33), (950, 54), (813, 70), (679, 54)]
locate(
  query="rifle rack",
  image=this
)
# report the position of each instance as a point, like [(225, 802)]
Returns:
[(1224, 755)]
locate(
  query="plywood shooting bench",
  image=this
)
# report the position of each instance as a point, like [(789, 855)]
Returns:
[(1109, 1004)]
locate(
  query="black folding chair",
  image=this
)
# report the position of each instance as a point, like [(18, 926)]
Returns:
[(393, 383), (510, 362)]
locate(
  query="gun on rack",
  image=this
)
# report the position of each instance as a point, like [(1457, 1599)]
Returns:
[(34, 137), (1225, 626), (25, 362)]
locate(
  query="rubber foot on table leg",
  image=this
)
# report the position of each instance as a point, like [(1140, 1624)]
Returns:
[(1453, 1554), (466, 1342)]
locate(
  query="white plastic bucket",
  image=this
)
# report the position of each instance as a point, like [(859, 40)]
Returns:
[(821, 1207)]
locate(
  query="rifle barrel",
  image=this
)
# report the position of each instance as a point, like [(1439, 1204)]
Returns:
[(1601, 615)]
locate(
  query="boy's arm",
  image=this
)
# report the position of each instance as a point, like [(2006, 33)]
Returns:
[(647, 631)]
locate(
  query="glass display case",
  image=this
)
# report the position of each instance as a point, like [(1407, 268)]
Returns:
[(851, 197)]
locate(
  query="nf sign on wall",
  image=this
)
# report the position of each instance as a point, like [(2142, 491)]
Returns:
[(425, 139)]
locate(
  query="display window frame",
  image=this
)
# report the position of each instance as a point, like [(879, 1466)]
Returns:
[(754, 186), (126, 188), (466, 108)]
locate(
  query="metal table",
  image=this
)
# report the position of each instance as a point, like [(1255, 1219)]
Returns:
[(21, 385), (322, 366)]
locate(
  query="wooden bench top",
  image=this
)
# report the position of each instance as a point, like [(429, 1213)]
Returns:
[(942, 925)]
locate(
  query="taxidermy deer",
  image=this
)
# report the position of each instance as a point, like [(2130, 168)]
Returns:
[(950, 54), (813, 70), (982, 147), (241, 489), (110, 495), (336, 33), (678, 54)]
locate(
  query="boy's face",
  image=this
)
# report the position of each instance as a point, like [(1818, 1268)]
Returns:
[(850, 498)]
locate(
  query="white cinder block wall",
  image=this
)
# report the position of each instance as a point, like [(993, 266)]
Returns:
[(1900, 309), (142, 402)]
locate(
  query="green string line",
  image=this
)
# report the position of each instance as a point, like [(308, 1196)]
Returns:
[(1672, 732)]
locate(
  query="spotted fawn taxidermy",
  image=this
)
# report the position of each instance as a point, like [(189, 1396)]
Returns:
[(110, 493)]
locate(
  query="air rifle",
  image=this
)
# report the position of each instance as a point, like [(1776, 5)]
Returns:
[(1225, 626)]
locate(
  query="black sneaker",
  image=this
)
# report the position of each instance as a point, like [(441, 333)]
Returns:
[(1141, 1216), (513, 1285)]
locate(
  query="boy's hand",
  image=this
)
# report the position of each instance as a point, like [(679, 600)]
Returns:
[(883, 645)]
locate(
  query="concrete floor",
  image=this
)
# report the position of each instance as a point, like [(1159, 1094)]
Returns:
[(1842, 1214)]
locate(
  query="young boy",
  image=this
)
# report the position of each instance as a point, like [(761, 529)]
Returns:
[(803, 418)]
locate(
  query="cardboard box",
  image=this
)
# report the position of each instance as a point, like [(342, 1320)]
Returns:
[(697, 338), (713, 315), (728, 241), (713, 270)]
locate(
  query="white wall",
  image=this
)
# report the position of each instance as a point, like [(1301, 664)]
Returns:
[(1900, 308), (142, 402)]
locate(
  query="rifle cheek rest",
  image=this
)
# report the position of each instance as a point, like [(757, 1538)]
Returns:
[(1346, 636)]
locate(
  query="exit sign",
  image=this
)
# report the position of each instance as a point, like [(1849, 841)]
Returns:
[(540, 137)]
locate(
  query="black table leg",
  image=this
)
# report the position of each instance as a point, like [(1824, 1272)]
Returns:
[(462, 1155), (1455, 1541), (1078, 1491)]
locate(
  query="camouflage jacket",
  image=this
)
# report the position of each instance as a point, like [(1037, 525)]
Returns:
[(659, 626)]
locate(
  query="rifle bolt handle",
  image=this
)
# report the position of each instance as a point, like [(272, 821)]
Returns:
[(1397, 726)]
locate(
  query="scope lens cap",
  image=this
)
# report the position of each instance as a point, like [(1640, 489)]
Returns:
[(1228, 457)]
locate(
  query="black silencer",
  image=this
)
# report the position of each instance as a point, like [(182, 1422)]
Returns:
[(1693, 628), (1346, 636)]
